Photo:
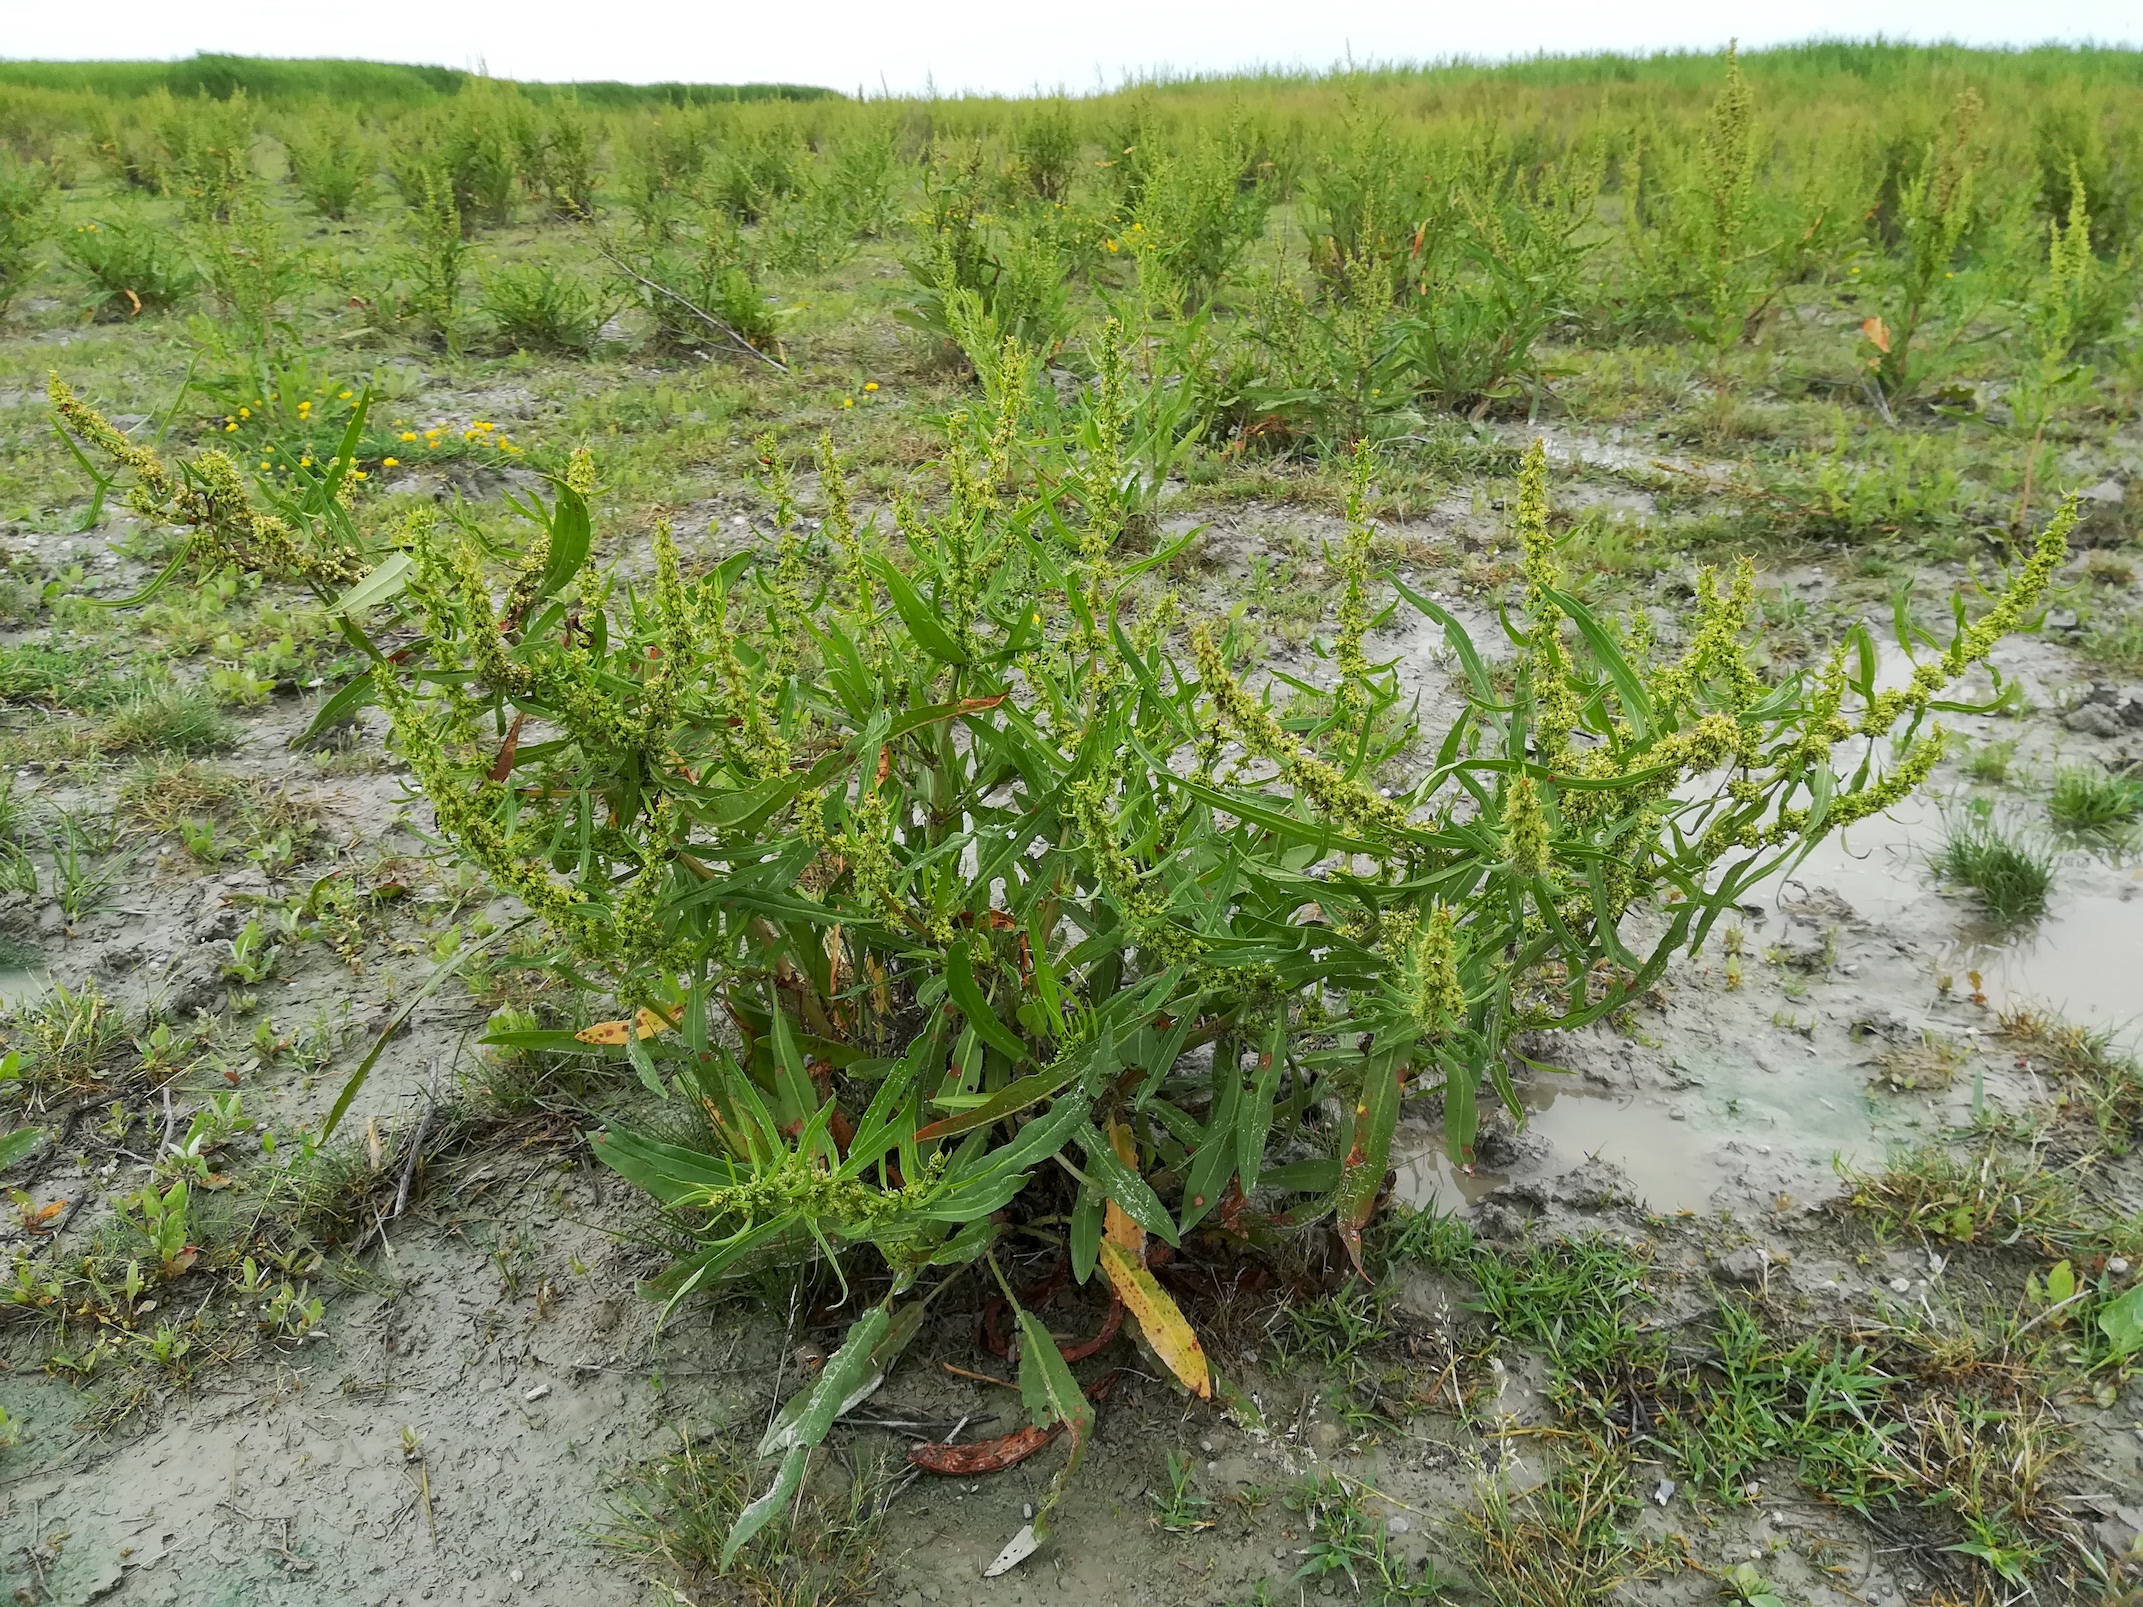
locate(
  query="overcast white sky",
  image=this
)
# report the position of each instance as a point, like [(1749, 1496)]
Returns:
[(1009, 46)]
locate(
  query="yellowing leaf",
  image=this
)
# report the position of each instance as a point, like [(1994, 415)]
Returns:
[(1121, 1141), (613, 1032), (1121, 1231), (1159, 1319), (1118, 1228)]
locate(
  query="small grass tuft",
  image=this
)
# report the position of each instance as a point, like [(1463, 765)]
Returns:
[(2011, 874), (1566, 1542), (535, 307), (167, 719), (163, 790), (1991, 1198), (2096, 1076), (820, 1551), (2115, 645), (1988, 762), (1931, 1063), (2088, 800)]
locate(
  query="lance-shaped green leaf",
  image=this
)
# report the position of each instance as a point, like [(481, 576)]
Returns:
[(16, 1145), (888, 1336), (1254, 1116), (1051, 1395), (1213, 1162), (1133, 1195), (1361, 1173), (1629, 685), (385, 582), (572, 532), (1007, 1101), (841, 1383), (920, 616), (960, 983)]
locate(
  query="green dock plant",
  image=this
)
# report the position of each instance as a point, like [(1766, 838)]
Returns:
[(1925, 308), (332, 159), (27, 218), (946, 878)]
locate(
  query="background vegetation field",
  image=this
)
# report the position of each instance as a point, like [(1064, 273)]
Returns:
[(892, 718)]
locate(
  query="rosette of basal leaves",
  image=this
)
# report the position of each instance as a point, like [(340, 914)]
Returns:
[(951, 878)]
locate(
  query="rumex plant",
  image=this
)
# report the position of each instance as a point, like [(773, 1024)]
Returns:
[(948, 879)]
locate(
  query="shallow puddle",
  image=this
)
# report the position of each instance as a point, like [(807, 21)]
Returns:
[(2083, 962), (20, 985), (1775, 1114), (1668, 1165)]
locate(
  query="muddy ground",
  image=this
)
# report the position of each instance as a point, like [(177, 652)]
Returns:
[(464, 1421)]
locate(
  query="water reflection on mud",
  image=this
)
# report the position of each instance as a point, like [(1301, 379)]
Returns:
[(2082, 960), (21, 985), (1667, 1164)]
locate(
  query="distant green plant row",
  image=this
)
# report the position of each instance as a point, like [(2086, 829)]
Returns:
[(372, 82)]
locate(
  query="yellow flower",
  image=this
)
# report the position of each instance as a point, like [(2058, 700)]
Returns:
[(342, 395), (305, 463), (848, 401), (266, 465), (359, 474), (245, 412), (390, 463), (870, 385), (409, 435), (230, 429)]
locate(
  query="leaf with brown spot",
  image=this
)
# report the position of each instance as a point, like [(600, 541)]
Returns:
[(1376, 1116), (1158, 1317), (612, 1033), (1117, 1226)]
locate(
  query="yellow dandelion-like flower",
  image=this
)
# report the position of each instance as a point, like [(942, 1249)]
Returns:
[(359, 474), (409, 435), (342, 396), (848, 401), (870, 385), (245, 412), (230, 429), (390, 463), (305, 463)]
